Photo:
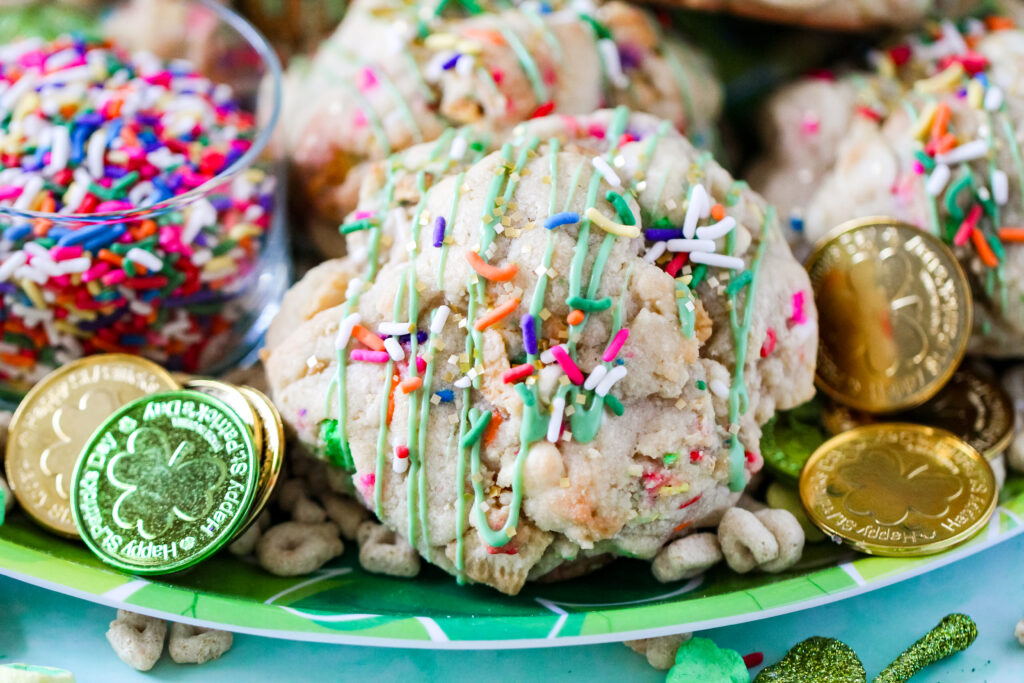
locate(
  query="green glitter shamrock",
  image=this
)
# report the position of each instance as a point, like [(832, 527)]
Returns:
[(72, 426), (823, 660), (699, 660), (160, 485), (910, 477)]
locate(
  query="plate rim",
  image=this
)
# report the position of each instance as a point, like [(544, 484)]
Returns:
[(991, 535)]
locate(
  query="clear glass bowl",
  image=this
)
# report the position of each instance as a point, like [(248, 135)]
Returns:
[(221, 243)]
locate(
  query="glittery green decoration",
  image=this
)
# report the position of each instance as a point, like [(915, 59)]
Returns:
[(954, 633), (699, 660), (822, 660)]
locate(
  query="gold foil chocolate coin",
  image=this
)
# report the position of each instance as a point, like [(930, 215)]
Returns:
[(55, 420), (894, 313), (164, 482), (272, 456), (898, 489), (971, 405)]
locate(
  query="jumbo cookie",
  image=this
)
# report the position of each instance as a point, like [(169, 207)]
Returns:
[(541, 356), (931, 139), (392, 76)]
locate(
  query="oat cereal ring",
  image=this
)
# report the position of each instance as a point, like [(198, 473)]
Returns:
[(137, 639), (1018, 632), (246, 543), (308, 511), (290, 492), (382, 551), (745, 541), (293, 548), (347, 513), (196, 645), (789, 536), (686, 557), (661, 652)]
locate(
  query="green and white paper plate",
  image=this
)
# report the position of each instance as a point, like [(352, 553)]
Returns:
[(343, 604)]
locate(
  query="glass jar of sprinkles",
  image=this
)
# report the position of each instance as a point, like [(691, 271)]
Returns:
[(138, 202)]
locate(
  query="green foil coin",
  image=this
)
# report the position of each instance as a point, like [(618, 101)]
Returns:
[(164, 482)]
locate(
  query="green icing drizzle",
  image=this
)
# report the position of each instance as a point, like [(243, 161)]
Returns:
[(540, 91), (738, 399)]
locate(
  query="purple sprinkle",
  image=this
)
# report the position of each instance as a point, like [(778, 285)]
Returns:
[(439, 225), (662, 234), (93, 118), (221, 202), (102, 321), (201, 298), (451, 61), (115, 171), (630, 56), (529, 334)]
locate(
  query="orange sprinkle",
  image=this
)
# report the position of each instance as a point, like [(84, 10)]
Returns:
[(109, 257), (492, 427), (496, 314), (486, 270), (391, 397), (575, 317), (940, 121), (145, 229), (48, 205), (115, 107), (945, 143), (999, 23), (1011, 234), (41, 226), (368, 338), (410, 385), (718, 212), (15, 359), (984, 250), (103, 345), (128, 135), (681, 527), (485, 35)]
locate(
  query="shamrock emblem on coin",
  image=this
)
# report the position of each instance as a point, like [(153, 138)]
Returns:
[(161, 484), (888, 488), (73, 425)]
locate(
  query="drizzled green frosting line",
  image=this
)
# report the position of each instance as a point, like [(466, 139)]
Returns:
[(540, 91), (738, 398)]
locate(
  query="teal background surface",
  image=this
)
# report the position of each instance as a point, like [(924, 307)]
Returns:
[(48, 628)]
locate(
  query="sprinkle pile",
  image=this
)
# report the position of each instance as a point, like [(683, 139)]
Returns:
[(87, 129)]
